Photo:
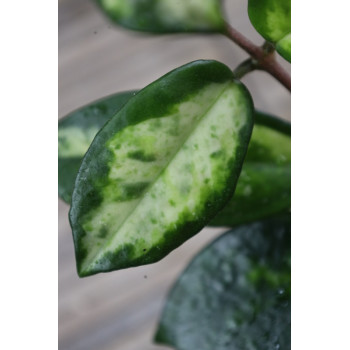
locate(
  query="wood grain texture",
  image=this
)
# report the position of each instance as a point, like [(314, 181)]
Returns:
[(119, 310)]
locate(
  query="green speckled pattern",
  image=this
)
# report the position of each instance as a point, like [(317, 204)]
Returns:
[(272, 19), (165, 16), (75, 134), (161, 168)]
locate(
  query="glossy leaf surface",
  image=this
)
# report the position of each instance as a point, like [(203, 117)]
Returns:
[(161, 168), (235, 294), (75, 134), (165, 16), (272, 19), (264, 186)]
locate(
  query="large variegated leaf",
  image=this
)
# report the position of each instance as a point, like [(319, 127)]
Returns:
[(161, 168), (235, 294), (272, 19), (264, 186), (165, 16), (75, 134)]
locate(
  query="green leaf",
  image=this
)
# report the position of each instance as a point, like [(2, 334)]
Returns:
[(235, 294), (271, 18), (264, 186), (75, 134), (165, 16), (161, 168), (283, 47)]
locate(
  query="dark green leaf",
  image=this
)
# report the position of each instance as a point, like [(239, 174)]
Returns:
[(161, 168), (235, 294), (75, 134), (264, 186), (165, 16), (271, 18)]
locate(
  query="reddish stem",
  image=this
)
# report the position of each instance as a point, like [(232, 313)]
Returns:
[(264, 57)]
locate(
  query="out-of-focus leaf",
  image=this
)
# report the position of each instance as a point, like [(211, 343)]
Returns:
[(264, 186), (75, 134), (272, 19), (235, 294), (283, 47), (165, 16), (161, 168)]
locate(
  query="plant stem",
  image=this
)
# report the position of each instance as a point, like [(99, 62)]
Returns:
[(264, 56), (244, 68)]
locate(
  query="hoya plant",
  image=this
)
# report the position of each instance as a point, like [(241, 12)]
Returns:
[(143, 171)]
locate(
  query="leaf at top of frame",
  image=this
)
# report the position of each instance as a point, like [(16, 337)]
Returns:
[(272, 19), (161, 168), (235, 294), (165, 16), (75, 134)]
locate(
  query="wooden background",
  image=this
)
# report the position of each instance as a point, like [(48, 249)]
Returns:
[(120, 310)]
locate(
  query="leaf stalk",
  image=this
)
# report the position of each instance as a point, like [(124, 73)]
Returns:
[(244, 68)]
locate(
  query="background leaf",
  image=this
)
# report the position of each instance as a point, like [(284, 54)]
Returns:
[(165, 16), (161, 168), (75, 134), (264, 186), (235, 294), (272, 19)]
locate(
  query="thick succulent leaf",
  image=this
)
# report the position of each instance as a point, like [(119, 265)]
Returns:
[(165, 16), (272, 19), (75, 134), (264, 186), (235, 294), (161, 168)]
